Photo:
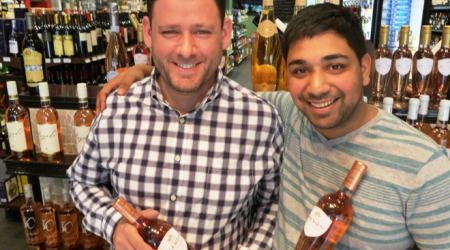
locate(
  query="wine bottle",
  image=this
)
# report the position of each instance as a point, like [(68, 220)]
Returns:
[(33, 57), (89, 240), (441, 70), (116, 57), (422, 64), (91, 28), (155, 232), (422, 122), (19, 127), (47, 37), (440, 133), (268, 67), (58, 31), (83, 117), (15, 48), (413, 111), (31, 218), (68, 219), (49, 129), (50, 221), (382, 61), (140, 52), (101, 40), (68, 44), (387, 104), (401, 68), (4, 140), (299, 5), (332, 214), (82, 47), (87, 32)]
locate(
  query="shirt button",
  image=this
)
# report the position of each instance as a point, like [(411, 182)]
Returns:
[(177, 158), (173, 197), (182, 120)]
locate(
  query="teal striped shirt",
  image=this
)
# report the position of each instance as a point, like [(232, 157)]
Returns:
[(403, 200)]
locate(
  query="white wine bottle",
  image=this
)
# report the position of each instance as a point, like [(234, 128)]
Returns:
[(116, 57), (381, 68), (267, 64), (422, 64)]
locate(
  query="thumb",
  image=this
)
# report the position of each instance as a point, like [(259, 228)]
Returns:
[(150, 213)]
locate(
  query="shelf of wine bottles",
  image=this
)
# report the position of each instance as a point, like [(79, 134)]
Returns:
[(39, 167)]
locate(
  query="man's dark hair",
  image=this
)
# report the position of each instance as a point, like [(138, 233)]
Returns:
[(321, 18), (221, 5)]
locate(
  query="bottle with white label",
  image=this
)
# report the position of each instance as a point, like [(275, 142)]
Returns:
[(422, 64), (83, 117), (440, 134), (14, 43), (116, 56), (19, 127), (381, 68), (441, 70), (400, 70), (332, 214), (388, 102), (157, 233), (49, 129)]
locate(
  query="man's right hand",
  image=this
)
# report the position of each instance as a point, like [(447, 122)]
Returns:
[(126, 237), (122, 83)]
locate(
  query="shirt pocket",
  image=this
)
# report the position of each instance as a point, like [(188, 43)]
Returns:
[(228, 191)]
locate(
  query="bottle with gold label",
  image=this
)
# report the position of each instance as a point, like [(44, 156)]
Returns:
[(58, 37), (401, 68), (381, 68), (422, 64), (69, 48), (299, 5), (268, 67), (441, 70), (33, 56)]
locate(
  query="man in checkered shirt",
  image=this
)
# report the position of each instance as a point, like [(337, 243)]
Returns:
[(187, 142)]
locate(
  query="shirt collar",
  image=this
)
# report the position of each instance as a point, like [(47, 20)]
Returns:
[(212, 94)]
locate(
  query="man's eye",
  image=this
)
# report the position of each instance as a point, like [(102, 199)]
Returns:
[(335, 67), (300, 71), (202, 32), (169, 32)]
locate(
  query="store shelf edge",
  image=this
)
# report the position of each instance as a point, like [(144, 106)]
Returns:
[(39, 168)]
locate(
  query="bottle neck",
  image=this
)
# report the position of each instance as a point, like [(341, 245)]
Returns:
[(14, 102), (347, 192), (441, 124), (422, 117), (83, 104), (45, 102)]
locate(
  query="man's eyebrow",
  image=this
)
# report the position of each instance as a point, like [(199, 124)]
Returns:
[(334, 56), (297, 62)]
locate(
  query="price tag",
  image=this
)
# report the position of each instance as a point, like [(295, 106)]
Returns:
[(57, 60), (67, 60), (87, 60), (94, 58), (47, 60), (6, 59), (102, 57)]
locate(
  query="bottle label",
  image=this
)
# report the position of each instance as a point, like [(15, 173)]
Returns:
[(47, 36), (81, 133), (424, 66), (58, 45), (94, 37), (48, 138), (125, 35), (68, 45), (99, 32), (444, 66), (83, 36), (317, 223), (40, 36), (69, 229), (50, 229), (383, 65), (107, 34), (267, 29), (16, 134), (13, 47), (32, 61), (173, 241), (140, 58), (89, 42), (403, 66)]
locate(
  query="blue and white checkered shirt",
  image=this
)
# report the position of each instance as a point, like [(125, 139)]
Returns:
[(212, 174)]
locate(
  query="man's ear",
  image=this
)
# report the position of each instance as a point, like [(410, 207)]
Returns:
[(366, 63), (226, 33), (147, 31)]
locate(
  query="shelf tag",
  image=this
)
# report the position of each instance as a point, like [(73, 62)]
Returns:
[(57, 60), (47, 60), (6, 59), (94, 58), (87, 60), (67, 60)]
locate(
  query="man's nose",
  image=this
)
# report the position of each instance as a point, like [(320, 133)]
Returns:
[(187, 47)]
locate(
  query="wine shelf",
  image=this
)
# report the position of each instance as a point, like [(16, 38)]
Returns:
[(39, 167), (16, 203), (15, 62), (440, 8), (229, 70)]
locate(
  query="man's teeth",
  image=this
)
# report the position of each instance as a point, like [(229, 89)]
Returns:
[(186, 66), (322, 105)]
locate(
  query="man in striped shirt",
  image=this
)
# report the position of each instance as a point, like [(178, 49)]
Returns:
[(188, 142), (403, 201)]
